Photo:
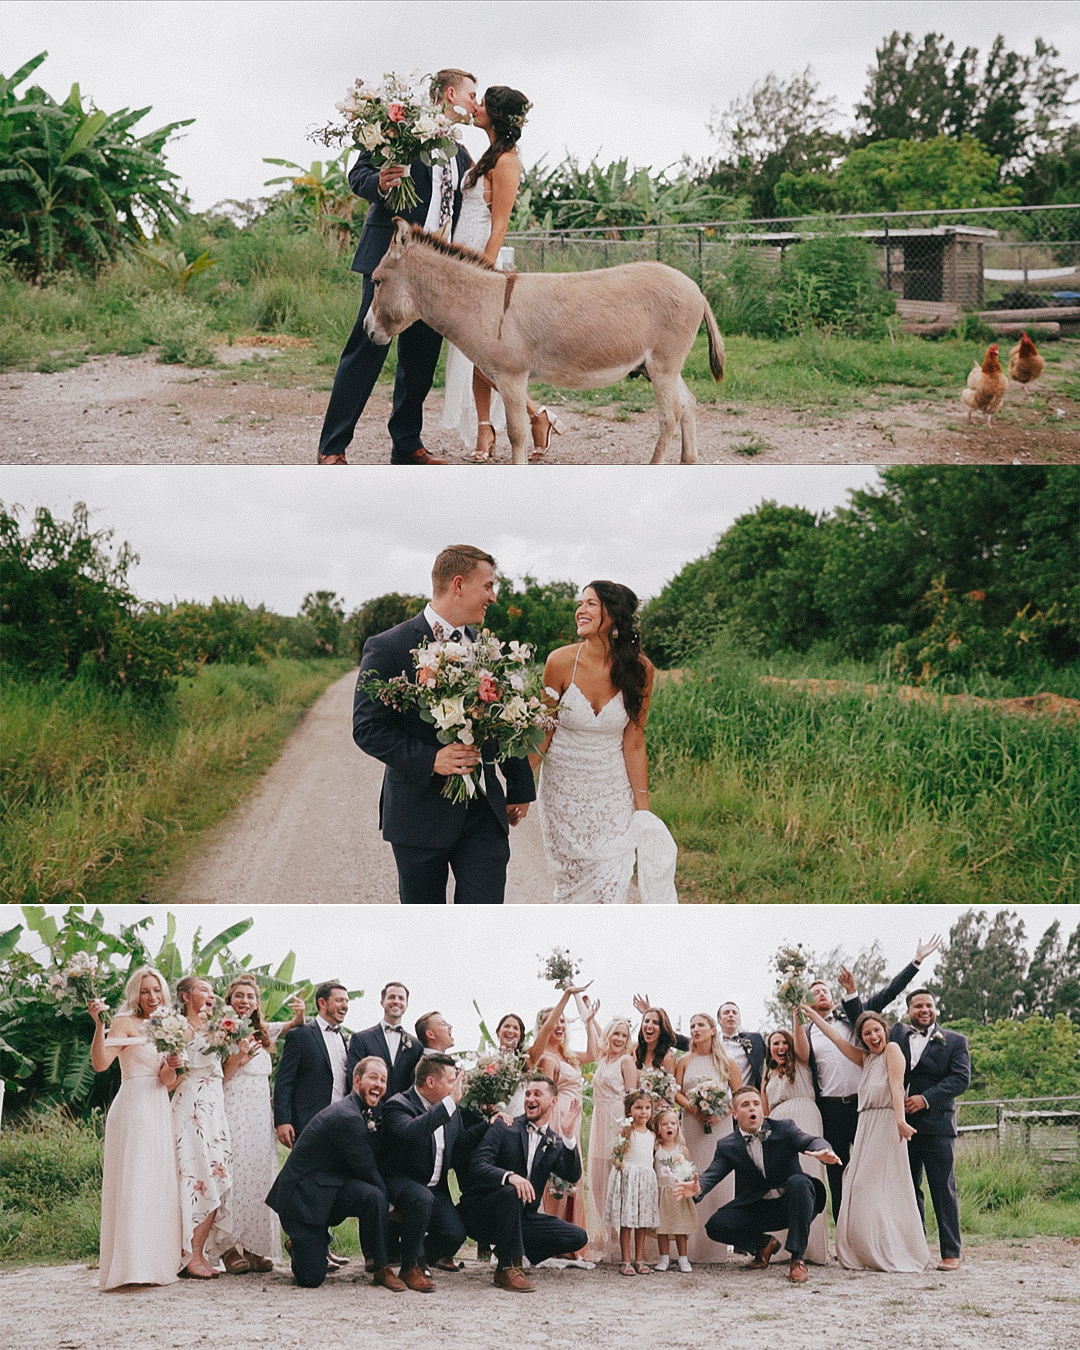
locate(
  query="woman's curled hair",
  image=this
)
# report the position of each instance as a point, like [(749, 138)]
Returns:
[(507, 108), (629, 666)]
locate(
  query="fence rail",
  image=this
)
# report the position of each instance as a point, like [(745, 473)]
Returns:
[(1047, 1127)]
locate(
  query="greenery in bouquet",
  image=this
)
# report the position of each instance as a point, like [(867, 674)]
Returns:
[(77, 982), (483, 693), (491, 1079), (167, 1030), (224, 1030), (621, 1145), (676, 1169), (560, 1188), (396, 122), (659, 1084), (710, 1098), (792, 985), (559, 968)]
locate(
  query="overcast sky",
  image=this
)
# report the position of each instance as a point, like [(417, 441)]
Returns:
[(610, 78), (696, 958), (271, 535)]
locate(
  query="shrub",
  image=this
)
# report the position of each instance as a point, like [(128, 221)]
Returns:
[(832, 283)]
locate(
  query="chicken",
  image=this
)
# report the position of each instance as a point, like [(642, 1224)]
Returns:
[(986, 386), (1025, 363)]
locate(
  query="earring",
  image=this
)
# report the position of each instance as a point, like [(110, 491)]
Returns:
[(614, 632)]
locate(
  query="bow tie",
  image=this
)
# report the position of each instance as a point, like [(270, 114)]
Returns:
[(387, 1030), (754, 1134), (447, 634), (732, 1038), (333, 1031)]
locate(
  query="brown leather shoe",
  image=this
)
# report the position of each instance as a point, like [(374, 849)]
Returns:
[(448, 1264), (513, 1279), (762, 1258), (418, 1282), (386, 1277), (797, 1272), (330, 459), (420, 456), (949, 1263)]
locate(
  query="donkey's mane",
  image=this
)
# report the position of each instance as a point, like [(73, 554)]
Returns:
[(440, 245)]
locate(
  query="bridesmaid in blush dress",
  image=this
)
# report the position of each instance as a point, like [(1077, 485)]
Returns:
[(140, 1192), (615, 1075), (788, 1094), (879, 1226)]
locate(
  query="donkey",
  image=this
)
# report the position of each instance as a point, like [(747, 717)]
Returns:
[(577, 330)]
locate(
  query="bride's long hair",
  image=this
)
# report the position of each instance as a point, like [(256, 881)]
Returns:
[(629, 665), (507, 108)]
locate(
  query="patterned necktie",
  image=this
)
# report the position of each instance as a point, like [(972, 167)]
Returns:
[(446, 201)]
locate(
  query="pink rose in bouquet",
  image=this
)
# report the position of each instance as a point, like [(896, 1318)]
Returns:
[(487, 690)]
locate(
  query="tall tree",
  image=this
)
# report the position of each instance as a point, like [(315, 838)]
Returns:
[(982, 968), (326, 614)]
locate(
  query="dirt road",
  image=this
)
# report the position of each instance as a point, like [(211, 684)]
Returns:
[(1005, 1295), (131, 410), (309, 834)]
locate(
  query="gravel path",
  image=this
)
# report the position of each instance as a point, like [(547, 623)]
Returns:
[(1006, 1295), (309, 834), (131, 410)]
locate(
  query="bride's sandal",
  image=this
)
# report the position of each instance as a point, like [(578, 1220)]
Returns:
[(484, 454), (542, 432)]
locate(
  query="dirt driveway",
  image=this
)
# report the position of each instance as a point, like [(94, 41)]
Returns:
[(131, 410), (1006, 1295)]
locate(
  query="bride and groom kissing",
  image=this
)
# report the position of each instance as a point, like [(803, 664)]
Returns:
[(470, 205), (593, 797)]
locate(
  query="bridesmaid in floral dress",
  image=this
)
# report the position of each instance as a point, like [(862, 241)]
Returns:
[(140, 1194), (203, 1145), (549, 1054), (616, 1075), (706, 1060), (256, 1232)]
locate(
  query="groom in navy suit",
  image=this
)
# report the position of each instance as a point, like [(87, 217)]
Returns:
[(311, 1073), (388, 1039), (439, 190), (771, 1189), (938, 1070), (430, 834)]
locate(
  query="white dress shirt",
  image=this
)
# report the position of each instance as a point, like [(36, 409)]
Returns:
[(442, 628), (431, 220), (440, 1142), (535, 1134), (757, 1157), (335, 1048), (738, 1056), (918, 1041), (836, 1074), (392, 1036)]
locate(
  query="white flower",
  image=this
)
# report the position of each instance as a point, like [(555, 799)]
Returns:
[(520, 651), (371, 137), (426, 127), (465, 736), (449, 712), (514, 709), (455, 650), (517, 682)]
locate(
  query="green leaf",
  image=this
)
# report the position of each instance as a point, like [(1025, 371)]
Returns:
[(41, 923), (85, 134), (10, 938), (13, 83), (219, 943)]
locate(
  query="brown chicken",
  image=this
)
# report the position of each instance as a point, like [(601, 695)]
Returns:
[(986, 386), (1025, 363)]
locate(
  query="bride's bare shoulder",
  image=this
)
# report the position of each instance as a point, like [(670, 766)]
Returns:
[(561, 657)]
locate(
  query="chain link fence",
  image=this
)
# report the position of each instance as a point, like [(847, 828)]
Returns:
[(1046, 1128), (939, 264)]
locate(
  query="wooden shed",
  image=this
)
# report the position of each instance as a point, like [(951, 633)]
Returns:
[(944, 263)]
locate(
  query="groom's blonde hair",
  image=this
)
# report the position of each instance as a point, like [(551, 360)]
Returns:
[(459, 560), (450, 78)]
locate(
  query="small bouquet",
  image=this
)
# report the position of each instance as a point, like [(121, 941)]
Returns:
[(659, 1084), (475, 693), (560, 1188), (560, 968), (166, 1029), (677, 1169), (492, 1079), (621, 1146), (396, 122), (224, 1031), (710, 1098), (76, 983), (791, 988)]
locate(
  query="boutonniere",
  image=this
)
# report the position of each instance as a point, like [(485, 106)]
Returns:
[(765, 1130), (406, 1041), (746, 1043), (373, 1125), (938, 1036)]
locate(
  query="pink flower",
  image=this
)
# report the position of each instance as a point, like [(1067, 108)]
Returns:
[(490, 1069), (396, 111), (426, 676), (489, 690), (199, 1187)]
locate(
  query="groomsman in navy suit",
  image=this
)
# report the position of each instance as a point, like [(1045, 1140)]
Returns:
[(938, 1071), (836, 1078), (388, 1039), (746, 1049)]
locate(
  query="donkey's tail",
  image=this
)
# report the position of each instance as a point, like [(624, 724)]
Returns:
[(716, 343)]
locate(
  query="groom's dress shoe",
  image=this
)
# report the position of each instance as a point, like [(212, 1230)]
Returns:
[(420, 456), (386, 1277), (513, 1279), (949, 1263), (797, 1272), (331, 459), (449, 1264), (417, 1281), (763, 1257)]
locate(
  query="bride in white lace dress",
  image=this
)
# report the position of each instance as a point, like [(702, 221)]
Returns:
[(594, 785), (489, 192)]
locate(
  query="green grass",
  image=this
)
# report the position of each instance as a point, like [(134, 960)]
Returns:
[(101, 796), (781, 796)]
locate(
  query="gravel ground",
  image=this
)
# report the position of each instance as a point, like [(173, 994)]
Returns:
[(131, 410), (1005, 1295)]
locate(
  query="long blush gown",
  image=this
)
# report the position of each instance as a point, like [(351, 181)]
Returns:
[(566, 1120), (701, 1147), (140, 1192), (608, 1095), (795, 1101)]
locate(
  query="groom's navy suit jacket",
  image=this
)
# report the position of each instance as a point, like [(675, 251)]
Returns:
[(336, 1146), (412, 809), (304, 1082), (780, 1155), (941, 1075), (505, 1148), (372, 1041), (379, 222)]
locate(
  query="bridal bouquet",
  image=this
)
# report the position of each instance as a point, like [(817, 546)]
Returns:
[(167, 1030), (560, 968), (224, 1031), (491, 1079), (658, 1083), (396, 122), (76, 983), (476, 693), (791, 988), (710, 1098)]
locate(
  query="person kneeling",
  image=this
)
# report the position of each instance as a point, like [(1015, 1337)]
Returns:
[(771, 1190), (506, 1180), (330, 1176)]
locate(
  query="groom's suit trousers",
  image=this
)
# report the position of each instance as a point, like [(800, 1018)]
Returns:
[(309, 1243), (361, 361), (934, 1152), (500, 1220), (478, 858), (746, 1222)]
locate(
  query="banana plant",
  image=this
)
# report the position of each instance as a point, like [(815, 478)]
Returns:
[(175, 264)]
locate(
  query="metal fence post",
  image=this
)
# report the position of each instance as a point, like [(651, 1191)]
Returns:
[(888, 259), (700, 258)]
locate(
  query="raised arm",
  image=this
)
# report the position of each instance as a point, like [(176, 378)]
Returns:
[(634, 753), (592, 1043), (543, 1036), (798, 1033), (102, 1056), (848, 1050)]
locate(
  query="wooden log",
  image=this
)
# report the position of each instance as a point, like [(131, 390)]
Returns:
[(1066, 313), (1049, 332)]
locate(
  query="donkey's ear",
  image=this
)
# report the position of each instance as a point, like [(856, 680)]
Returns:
[(402, 237)]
